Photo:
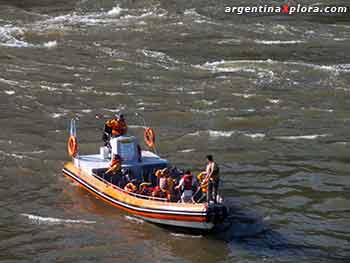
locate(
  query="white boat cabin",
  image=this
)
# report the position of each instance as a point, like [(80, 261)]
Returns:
[(141, 164)]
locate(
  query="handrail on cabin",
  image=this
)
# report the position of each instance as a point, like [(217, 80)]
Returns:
[(130, 193)]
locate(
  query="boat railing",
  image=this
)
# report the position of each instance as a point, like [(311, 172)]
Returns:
[(130, 193)]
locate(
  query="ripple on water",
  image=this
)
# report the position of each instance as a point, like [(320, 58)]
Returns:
[(53, 221)]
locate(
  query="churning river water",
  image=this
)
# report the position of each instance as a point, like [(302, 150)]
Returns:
[(267, 95)]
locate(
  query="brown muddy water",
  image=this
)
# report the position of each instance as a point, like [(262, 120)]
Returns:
[(268, 96)]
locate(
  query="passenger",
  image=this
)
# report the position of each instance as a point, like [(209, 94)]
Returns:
[(203, 185), (187, 184), (212, 178), (145, 189), (126, 177), (170, 184), (115, 168), (131, 187), (161, 190)]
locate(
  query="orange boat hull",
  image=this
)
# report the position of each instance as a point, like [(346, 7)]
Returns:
[(162, 212)]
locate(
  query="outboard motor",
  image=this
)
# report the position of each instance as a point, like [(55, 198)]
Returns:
[(216, 213)]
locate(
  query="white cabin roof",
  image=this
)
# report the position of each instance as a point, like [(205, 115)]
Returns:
[(95, 161)]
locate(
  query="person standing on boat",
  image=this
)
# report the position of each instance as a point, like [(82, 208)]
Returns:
[(113, 128), (119, 126), (188, 182), (212, 178)]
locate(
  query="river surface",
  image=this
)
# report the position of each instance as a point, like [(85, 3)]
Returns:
[(268, 96)]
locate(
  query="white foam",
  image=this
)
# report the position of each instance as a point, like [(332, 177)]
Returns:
[(195, 92), (197, 133), (9, 82), (50, 44), (185, 236), (10, 92), (208, 102), (238, 65), (278, 42), (213, 133), (134, 219), (187, 150), (302, 137), (48, 88), (274, 101), (255, 135), (244, 95), (9, 35), (56, 115), (160, 56), (221, 133), (115, 11), (50, 220), (15, 155)]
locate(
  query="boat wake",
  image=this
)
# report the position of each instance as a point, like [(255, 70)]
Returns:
[(12, 36), (183, 235), (302, 137), (134, 219), (54, 221), (252, 66), (240, 225)]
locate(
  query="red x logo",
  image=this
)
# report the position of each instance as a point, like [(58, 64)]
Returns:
[(285, 9)]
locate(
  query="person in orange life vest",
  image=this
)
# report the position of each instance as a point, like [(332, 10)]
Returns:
[(115, 166), (145, 188), (212, 178), (131, 187), (188, 182), (119, 126), (170, 185)]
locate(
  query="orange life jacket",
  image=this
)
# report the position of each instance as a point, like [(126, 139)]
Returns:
[(119, 127), (130, 187), (115, 166)]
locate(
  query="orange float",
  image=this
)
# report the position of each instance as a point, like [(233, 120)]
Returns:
[(149, 137), (72, 146)]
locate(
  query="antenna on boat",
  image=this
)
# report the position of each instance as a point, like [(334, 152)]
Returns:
[(142, 118), (73, 127)]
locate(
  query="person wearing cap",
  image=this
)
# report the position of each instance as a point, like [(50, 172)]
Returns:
[(187, 184)]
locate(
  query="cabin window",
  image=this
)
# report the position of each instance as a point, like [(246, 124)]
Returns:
[(127, 150)]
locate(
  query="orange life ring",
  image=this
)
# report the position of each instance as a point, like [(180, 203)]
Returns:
[(72, 146), (149, 137)]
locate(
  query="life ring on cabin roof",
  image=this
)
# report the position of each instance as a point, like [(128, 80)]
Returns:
[(149, 137), (72, 146)]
